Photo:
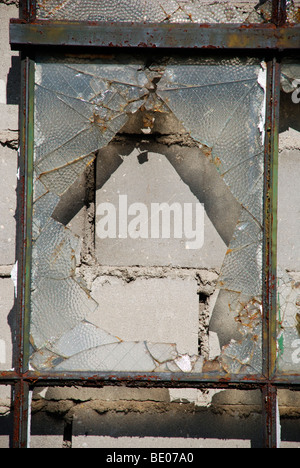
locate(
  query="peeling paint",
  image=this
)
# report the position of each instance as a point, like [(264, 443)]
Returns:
[(14, 277), (262, 80)]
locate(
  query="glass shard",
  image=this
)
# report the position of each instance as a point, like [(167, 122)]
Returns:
[(242, 268), (54, 253), (60, 179), (116, 357), (293, 11), (81, 338), (49, 299), (43, 208), (229, 99)]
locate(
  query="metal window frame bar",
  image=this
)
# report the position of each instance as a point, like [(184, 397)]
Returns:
[(174, 36), (26, 35)]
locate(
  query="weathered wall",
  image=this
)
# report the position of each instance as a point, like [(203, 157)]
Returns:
[(162, 277)]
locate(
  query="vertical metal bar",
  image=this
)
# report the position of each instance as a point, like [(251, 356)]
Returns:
[(271, 422), (28, 10), (25, 187), (270, 217), (271, 418), (279, 13), (21, 415), (25, 192)]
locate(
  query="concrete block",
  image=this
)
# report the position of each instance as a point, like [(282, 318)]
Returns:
[(155, 310), (289, 210), (46, 442), (6, 305), (5, 399), (103, 394), (8, 171), (9, 72), (149, 178), (4, 442), (155, 443), (9, 116)]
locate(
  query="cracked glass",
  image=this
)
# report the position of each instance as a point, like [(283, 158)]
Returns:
[(82, 108), (156, 11), (293, 11)]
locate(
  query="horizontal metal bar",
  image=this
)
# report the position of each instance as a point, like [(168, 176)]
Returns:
[(282, 380), (9, 377), (184, 380), (180, 380), (212, 36)]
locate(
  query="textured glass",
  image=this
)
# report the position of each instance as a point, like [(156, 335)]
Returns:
[(79, 108), (157, 11), (229, 98), (288, 314), (293, 11)]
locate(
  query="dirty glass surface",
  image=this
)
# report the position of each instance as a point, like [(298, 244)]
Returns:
[(289, 222), (80, 107), (156, 11), (293, 11)]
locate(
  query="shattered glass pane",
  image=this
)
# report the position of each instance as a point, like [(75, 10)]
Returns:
[(157, 11), (82, 312), (242, 268), (229, 99), (293, 11), (288, 313)]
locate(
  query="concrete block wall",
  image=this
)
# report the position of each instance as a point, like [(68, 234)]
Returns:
[(9, 99), (117, 416)]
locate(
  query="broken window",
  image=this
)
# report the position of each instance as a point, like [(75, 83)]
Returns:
[(149, 199), (112, 324)]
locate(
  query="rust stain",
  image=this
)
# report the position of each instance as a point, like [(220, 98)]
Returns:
[(298, 322), (211, 366)]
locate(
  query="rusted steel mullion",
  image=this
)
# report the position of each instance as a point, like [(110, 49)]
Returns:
[(21, 415), (270, 219), (25, 187), (271, 418), (287, 381), (28, 10), (271, 422), (158, 379), (8, 377), (279, 13), (162, 35)]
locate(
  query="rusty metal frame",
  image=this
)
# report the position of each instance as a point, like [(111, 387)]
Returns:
[(272, 39), (175, 36)]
